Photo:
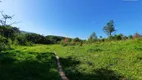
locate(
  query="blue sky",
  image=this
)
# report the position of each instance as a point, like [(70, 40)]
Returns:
[(75, 18)]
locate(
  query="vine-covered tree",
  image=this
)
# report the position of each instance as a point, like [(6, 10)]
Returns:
[(109, 28)]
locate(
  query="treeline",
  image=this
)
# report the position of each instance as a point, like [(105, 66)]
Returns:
[(109, 29), (17, 37), (115, 37), (13, 36)]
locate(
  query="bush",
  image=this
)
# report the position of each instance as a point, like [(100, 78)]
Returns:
[(130, 37), (9, 42), (28, 43), (21, 40), (110, 38), (4, 46), (117, 37), (4, 43), (2, 39), (15, 42)]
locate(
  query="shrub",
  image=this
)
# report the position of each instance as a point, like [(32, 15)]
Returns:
[(110, 38), (15, 42), (4, 46), (130, 37), (117, 37), (136, 35), (9, 41), (4, 43), (28, 43)]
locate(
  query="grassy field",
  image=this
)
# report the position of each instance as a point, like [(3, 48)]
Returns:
[(120, 60), (28, 63)]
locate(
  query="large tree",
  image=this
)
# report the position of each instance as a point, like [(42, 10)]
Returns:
[(109, 28)]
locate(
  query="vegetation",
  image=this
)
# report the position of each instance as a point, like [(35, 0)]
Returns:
[(117, 57), (109, 28), (29, 56), (93, 37), (26, 63), (115, 60)]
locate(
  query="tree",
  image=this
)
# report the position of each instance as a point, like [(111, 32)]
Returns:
[(130, 37), (9, 32), (5, 17), (76, 39), (92, 37), (136, 35), (101, 37), (55, 39), (109, 28)]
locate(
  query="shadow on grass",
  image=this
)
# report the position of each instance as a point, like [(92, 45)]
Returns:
[(18, 65), (70, 68)]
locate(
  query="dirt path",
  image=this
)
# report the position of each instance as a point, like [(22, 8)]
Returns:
[(61, 72)]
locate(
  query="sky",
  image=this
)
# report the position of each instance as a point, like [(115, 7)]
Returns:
[(75, 18)]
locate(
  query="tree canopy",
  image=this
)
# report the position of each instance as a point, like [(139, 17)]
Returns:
[(109, 28)]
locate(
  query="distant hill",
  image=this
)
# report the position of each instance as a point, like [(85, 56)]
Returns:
[(25, 32), (48, 36)]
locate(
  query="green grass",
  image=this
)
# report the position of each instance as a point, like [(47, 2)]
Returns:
[(120, 60), (28, 63), (103, 61)]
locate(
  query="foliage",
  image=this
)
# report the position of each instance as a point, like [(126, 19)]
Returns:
[(113, 60), (108, 59), (54, 39), (4, 43), (109, 28), (71, 42), (9, 32), (136, 35), (130, 37), (76, 39), (26, 65), (25, 38), (118, 37), (93, 37)]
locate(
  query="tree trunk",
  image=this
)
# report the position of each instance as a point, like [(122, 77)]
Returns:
[(110, 34)]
